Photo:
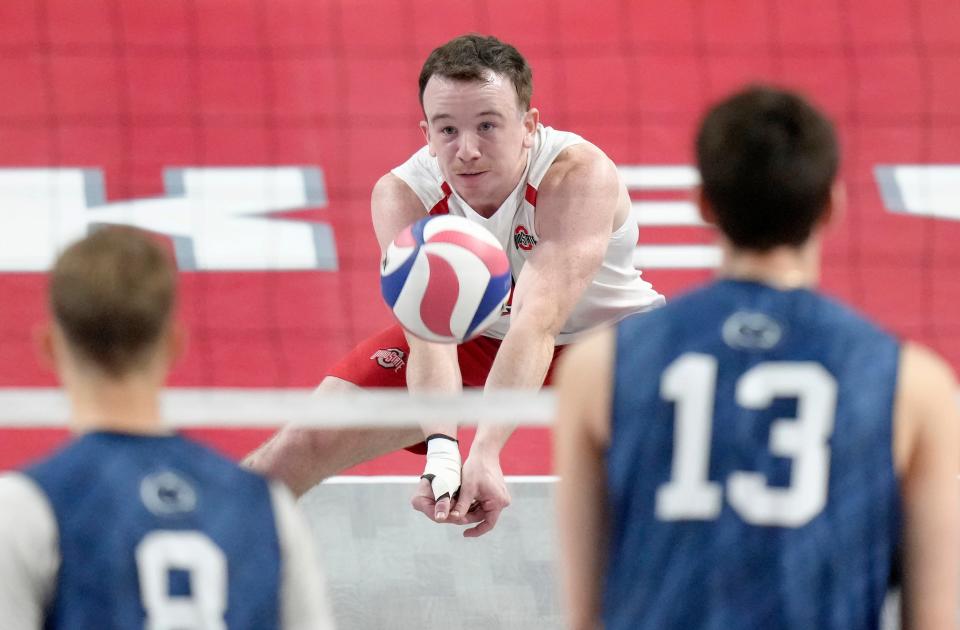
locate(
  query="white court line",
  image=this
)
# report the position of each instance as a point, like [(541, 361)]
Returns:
[(413, 479)]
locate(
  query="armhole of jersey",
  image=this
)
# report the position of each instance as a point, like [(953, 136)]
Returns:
[(545, 156), (303, 597), (29, 552)]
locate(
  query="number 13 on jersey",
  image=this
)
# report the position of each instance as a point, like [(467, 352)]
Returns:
[(690, 382)]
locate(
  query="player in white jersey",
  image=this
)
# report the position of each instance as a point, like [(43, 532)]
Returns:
[(131, 525), (557, 205), (614, 290)]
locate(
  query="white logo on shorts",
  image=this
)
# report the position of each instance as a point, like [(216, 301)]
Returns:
[(389, 358)]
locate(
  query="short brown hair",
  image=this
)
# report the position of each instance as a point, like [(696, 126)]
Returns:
[(471, 57), (112, 293), (768, 160)]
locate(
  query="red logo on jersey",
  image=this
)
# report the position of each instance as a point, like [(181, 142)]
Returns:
[(522, 239), (389, 358)]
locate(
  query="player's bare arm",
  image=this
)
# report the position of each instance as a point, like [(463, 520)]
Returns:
[(927, 456), (303, 456), (581, 434), (580, 202), (430, 366)]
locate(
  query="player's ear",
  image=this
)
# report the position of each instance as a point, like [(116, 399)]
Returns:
[(176, 342), (44, 343), (425, 128), (704, 207), (530, 121), (836, 205)]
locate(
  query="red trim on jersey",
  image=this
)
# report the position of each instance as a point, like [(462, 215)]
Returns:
[(441, 206), (531, 195)]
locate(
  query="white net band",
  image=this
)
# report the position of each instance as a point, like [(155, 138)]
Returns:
[(240, 408)]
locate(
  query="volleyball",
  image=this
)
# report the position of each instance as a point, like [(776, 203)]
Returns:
[(445, 278)]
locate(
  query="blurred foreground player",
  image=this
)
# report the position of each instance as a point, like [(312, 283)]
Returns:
[(754, 455), (130, 525)]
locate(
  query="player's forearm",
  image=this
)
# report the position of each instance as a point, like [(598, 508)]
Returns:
[(522, 363), (434, 368)]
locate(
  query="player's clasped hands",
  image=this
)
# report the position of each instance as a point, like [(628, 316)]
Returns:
[(481, 497)]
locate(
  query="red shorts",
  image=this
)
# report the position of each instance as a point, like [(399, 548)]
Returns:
[(381, 361)]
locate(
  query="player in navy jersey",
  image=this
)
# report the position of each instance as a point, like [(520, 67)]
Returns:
[(756, 455), (131, 525)]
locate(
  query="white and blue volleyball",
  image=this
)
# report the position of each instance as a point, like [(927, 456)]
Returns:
[(445, 278)]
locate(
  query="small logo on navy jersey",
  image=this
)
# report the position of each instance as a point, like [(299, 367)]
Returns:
[(389, 358), (523, 239), (751, 331), (166, 493)]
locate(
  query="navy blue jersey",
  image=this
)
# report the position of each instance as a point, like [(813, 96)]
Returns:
[(750, 468), (159, 532)]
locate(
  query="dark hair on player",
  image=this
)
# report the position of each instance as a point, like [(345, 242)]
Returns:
[(472, 57), (768, 159)]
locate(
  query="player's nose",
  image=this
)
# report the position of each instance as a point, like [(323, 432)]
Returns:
[(468, 148)]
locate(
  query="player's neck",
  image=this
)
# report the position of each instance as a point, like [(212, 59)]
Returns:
[(781, 267), (127, 405), (488, 205)]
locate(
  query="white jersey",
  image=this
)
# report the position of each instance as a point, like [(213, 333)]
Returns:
[(30, 559), (617, 289)]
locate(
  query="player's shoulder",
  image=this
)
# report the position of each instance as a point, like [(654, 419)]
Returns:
[(922, 370), (926, 403), (578, 162), (420, 166), (392, 186), (18, 490), (27, 512), (594, 348), (583, 158)]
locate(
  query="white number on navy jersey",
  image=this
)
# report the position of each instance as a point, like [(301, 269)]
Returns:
[(690, 382), (162, 551)]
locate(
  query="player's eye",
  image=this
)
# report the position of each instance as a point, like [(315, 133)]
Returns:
[(486, 126), (448, 131)]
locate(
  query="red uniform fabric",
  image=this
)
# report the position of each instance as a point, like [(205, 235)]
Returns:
[(381, 361)]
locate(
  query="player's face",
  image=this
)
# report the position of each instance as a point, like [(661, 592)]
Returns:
[(480, 137)]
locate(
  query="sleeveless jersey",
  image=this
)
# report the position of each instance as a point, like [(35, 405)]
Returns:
[(617, 289), (750, 467), (156, 531)]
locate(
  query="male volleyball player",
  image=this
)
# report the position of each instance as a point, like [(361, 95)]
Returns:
[(556, 204), (754, 455), (130, 525)]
